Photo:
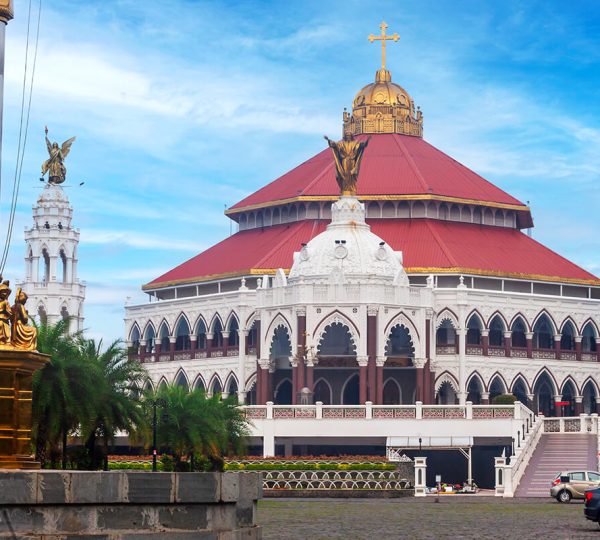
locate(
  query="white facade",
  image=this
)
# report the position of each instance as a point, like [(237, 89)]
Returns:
[(51, 280)]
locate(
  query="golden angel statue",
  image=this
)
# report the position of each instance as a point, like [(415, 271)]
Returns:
[(348, 154), (5, 313), (23, 337), (55, 165)]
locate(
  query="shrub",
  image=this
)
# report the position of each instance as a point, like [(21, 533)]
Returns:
[(504, 399)]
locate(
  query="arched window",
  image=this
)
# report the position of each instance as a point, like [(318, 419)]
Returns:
[(181, 380), (496, 338), (474, 328), (283, 393), (63, 259), (588, 341), (201, 335), (543, 391), (446, 394), (350, 391), (518, 329), (149, 337), (135, 340), (232, 386), (217, 389), (322, 392), (568, 395), (519, 390), (164, 338), (46, 259), (252, 336), (217, 332), (281, 345), (182, 334), (337, 341), (496, 388), (234, 337), (199, 385), (474, 390), (392, 394), (590, 398), (543, 336), (399, 343), (445, 335), (567, 339)]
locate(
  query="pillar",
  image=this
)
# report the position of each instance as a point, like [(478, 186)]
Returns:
[(420, 476), (462, 365), (301, 355), (485, 398), (529, 338), (295, 386), (225, 342), (558, 410), (270, 395), (578, 405), (172, 341), (310, 374), (380, 362), (372, 353), (557, 338), (362, 377), (262, 381), (507, 343), (429, 368), (209, 343), (578, 347), (419, 379), (242, 335), (485, 341), (142, 348), (193, 345)]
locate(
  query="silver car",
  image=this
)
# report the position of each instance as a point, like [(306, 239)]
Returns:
[(569, 485)]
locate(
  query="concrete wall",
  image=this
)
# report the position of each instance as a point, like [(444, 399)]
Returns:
[(124, 505)]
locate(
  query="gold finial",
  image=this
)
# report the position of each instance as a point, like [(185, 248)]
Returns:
[(383, 38)]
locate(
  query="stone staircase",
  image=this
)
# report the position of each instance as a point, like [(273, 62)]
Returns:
[(557, 452)]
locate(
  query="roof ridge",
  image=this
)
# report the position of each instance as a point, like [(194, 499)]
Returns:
[(441, 244), (320, 175), (412, 163)]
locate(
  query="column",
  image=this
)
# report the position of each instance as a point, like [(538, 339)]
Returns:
[(372, 353), (363, 362), (485, 398), (420, 476), (578, 405), (209, 341), (142, 349), (597, 349), (193, 345), (35, 271), (52, 276), (172, 341), (225, 342), (295, 387), (578, 347), (380, 362), (529, 338), (462, 365), (310, 373), (430, 369), (419, 379), (558, 410), (507, 342), (557, 338), (301, 341), (242, 335), (485, 341), (269, 391)]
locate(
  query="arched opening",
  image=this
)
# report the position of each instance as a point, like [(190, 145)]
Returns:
[(46, 259), (590, 398), (392, 393), (588, 339), (543, 335), (446, 394), (231, 387), (182, 334), (63, 260), (337, 341), (399, 343), (251, 394), (135, 340), (519, 390), (252, 339), (322, 392), (201, 335), (217, 389), (181, 380), (474, 390), (217, 341), (496, 388), (474, 328), (283, 393), (164, 338), (567, 338), (234, 337), (199, 385), (64, 313), (496, 336), (543, 391), (445, 335), (350, 391), (281, 345), (568, 396), (443, 211), (518, 337), (149, 338)]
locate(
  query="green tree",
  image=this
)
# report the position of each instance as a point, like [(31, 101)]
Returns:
[(115, 396), (192, 424), (61, 390)]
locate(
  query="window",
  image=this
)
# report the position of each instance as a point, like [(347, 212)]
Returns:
[(577, 476), (496, 332), (593, 477)]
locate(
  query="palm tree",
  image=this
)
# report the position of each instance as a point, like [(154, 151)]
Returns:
[(116, 404), (191, 424), (61, 389)]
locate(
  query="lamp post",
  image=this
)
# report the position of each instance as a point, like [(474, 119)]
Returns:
[(158, 402)]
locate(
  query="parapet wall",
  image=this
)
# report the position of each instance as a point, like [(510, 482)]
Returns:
[(123, 505)]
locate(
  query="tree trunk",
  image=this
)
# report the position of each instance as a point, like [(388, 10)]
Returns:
[(64, 448), (41, 444)]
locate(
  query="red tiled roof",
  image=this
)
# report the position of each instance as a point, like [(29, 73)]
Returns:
[(429, 246), (393, 166)]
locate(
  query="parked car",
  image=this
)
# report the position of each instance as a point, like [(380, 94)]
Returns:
[(591, 507), (569, 485)]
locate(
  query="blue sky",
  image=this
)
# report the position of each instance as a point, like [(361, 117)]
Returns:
[(184, 107)]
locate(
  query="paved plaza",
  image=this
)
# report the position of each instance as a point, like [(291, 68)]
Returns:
[(456, 517)]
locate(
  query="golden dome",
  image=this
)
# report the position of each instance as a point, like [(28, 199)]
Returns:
[(383, 92)]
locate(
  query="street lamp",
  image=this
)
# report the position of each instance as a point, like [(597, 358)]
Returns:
[(158, 402)]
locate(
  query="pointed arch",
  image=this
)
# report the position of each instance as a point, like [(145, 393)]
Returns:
[(216, 319), (520, 389), (215, 386), (199, 383), (350, 390), (323, 392), (281, 343), (496, 328), (500, 316), (182, 333), (134, 333), (569, 380), (148, 385), (475, 388), (216, 329), (589, 392), (401, 334), (200, 331), (568, 332), (519, 377), (231, 384), (544, 330), (162, 383), (568, 392), (150, 337), (589, 333), (277, 321), (545, 372), (283, 392), (333, 317), (474, 328), (498, 381), (545, 313), (233, 327), (163, 336), (392, 392), (336, 340), (446, 389), (181, 379), (446, 377), (518, 331), (522, 318), (449, 315)]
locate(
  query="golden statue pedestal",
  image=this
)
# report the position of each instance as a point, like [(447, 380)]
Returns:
[(16, 374)]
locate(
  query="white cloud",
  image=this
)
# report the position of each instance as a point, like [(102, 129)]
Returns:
[(138, 239)]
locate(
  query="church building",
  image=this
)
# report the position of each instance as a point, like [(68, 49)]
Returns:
[(421, 286)]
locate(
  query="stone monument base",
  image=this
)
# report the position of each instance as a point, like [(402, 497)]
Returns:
[(123, 505)]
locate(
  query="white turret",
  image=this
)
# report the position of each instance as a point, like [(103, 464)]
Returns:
[(51, 260)]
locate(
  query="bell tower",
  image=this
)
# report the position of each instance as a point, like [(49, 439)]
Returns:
[(51, 260)]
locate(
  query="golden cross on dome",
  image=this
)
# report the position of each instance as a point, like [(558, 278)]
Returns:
[(383, 38)]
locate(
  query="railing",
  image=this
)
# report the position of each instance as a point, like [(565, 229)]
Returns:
[(368, 411), (337, 480), (445, 349), (474, 349)]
